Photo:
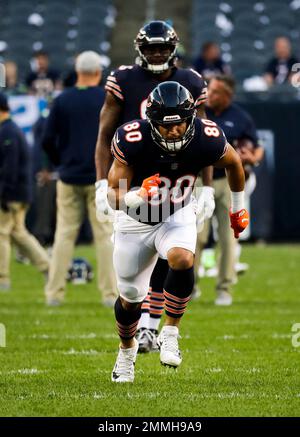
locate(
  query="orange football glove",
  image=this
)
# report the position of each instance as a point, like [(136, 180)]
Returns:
[(149, 186), (239, 221)]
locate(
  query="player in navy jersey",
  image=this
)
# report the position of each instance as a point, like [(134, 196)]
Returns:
[(156, 214), (127, 90)]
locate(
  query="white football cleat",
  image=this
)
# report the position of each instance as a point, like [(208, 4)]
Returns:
[(168, 343), (123, 370), (224, 299)]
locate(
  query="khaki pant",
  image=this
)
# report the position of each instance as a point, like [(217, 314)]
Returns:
[(227, 243), (12, 228), (72, 202)]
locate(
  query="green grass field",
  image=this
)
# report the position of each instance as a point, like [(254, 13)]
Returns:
[(237, 361)]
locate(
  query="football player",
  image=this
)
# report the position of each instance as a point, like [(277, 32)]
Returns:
[(240, 131), (127, 90), (150, 185)]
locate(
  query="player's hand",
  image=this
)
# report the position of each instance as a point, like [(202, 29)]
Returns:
[(150, 186), (239, 221), (103, 209)]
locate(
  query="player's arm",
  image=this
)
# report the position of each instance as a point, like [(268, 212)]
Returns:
[(109, 121), (207, 190), (234, 168), (119, 179), (207, 172), (232, 163)]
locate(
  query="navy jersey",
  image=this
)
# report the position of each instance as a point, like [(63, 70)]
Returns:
[(236, 124), (131, 85), (133, 145)]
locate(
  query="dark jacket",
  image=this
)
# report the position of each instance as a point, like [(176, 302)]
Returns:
[(71, 133), (15, 164)]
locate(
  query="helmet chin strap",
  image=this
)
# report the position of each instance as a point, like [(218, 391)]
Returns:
[(173, 146)]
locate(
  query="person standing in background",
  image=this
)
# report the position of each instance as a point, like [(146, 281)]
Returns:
[(69, 140), (210, 63), (279, 68), (43, 80), (15, 196), (238, 127)]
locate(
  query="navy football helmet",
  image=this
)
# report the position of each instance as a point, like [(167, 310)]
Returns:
[(80, 271), (156, 33), (171, 103)]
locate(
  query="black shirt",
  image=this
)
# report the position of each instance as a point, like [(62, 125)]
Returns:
[(210, 69), (236, 124), (15, 164), (71, 134), (280, 69), (42, 83)]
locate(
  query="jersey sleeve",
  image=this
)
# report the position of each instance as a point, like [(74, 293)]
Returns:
[(199, 88), (214, 141), (112, 85), (125, 145), (116, 81)]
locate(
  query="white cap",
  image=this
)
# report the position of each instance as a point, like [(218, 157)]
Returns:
[(88, 62)]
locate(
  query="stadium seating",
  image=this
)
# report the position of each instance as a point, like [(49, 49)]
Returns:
[(248, 28), (61, 28)]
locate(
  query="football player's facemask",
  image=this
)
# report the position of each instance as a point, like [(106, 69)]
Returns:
[(156, 45), (168, 104)]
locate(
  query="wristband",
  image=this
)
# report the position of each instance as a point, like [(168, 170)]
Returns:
[(237, 201)]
